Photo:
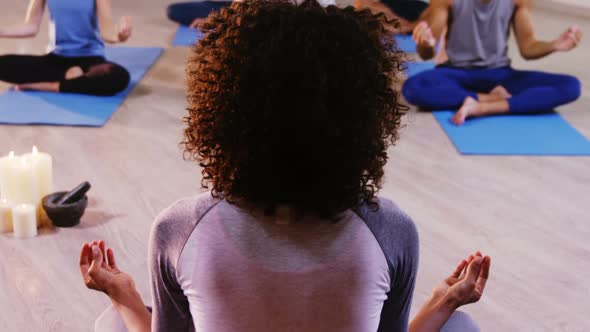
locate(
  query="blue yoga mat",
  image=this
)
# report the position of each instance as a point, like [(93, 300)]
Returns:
[(418, 67), (527, 134), (64, 109), (405, 43), (186, 36)]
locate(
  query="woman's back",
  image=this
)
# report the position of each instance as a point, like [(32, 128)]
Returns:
[(232, 269), (289, 105)]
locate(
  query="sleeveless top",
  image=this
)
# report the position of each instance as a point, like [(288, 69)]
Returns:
[(478, 33), (218, 267), (73, 28)]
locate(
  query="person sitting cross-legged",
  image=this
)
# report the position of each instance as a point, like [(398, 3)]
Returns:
[(76, 62), (478, 78)]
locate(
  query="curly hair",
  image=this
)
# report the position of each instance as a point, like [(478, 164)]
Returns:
[(293, 104)]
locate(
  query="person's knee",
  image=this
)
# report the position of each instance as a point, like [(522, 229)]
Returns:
[(110, 79), (101, 80), (7, 61), (570, 88), (411, 91), (460, 322), (120, 79), (173, 11)]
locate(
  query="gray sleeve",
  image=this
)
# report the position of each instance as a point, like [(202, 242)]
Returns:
[(397, 235), (169, 234)]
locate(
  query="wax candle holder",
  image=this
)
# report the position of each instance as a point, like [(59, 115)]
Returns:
[(65, 214)]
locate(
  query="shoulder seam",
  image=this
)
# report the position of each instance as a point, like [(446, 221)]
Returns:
[(389, 263), (189, 235)]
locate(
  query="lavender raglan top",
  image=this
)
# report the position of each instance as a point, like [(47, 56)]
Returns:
[(218, 267)]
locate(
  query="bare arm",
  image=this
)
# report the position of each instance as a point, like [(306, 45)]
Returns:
[(465, 285), (433, 315), (530, 48), (110, 32), (30, 26), (100, 272), (434, 24)]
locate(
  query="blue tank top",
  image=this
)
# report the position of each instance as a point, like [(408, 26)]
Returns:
[(74, 28)]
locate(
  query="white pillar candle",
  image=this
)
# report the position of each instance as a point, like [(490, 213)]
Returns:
[(43, 168), (5, 166), (5, 216), (21, 183), (24, 220)]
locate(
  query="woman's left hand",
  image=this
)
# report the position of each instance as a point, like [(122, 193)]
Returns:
[(100, 272), (124, 29), (568, 40), (467, 283)]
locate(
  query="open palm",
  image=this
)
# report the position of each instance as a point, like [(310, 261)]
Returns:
[(467, 283), (423, 35), (569, 39), (99, 269)]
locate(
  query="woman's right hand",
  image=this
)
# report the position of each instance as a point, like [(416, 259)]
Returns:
[(423, 35), (467, 283), (124, 29), (101, 273)]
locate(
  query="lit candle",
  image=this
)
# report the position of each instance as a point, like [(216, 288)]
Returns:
[(43, 168), (24, 220), (21, 183), (5, 166), (5, 216)]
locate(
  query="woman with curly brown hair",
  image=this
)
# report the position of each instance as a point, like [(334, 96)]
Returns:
[(291, 113)]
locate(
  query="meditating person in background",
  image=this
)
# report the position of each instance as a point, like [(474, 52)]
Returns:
[(407, 12), (478, 79), (76, 62), (291, 114), (194, 13)]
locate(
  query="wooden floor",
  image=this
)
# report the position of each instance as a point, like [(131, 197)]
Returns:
[(531, 214)]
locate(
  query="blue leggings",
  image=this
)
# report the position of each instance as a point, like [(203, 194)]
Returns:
[(186, 12), (446, 88)]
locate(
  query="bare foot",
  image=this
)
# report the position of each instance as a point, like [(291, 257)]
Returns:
[(197, 21), (501, 92), (469, 106), (42, 86), (74, 72)]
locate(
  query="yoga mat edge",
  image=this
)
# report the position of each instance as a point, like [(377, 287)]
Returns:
[(523, 134), (61, 109)]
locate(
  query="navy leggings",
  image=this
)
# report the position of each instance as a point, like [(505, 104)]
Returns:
[(445, 88), (407, 9), (101, 78), (186, 12)]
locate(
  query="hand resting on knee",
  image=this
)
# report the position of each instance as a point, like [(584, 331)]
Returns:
[(464, 286)]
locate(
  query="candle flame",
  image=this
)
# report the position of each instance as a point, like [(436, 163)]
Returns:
[(35, 151), (11, 155)]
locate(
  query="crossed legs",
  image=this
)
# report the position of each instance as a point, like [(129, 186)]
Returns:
[(478, 92), (87, 75)]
